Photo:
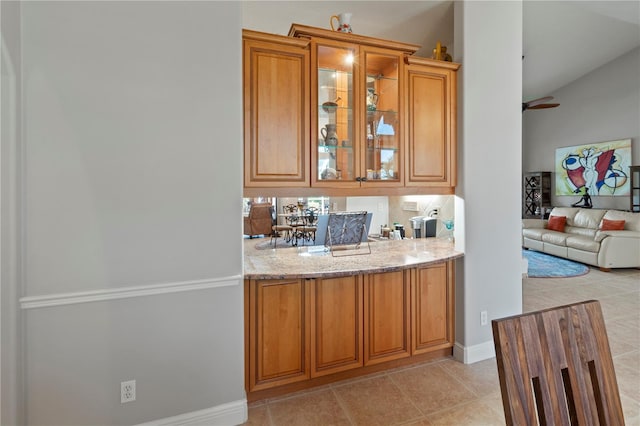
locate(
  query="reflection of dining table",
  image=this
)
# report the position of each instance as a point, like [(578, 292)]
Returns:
[(303, 224)]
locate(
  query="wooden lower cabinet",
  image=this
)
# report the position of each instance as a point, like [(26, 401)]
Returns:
[(304, 332), (432, 298), (278, 344), (336, 325), (386, 327)]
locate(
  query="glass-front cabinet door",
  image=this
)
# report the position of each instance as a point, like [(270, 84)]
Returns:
[(382, 149), (336, 153), (357, 124)]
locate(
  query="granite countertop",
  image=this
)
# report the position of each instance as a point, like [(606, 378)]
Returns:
[(313, 261)]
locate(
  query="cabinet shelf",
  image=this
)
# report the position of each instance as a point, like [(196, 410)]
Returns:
[(373, 78), (335, 147), (377, 112), (380, 148), (333, 71)]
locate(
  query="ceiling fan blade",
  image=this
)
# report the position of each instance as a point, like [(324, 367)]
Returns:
[(539, 100), (543, 106)]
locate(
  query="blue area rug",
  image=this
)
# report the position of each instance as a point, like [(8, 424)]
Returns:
[(542, 265)]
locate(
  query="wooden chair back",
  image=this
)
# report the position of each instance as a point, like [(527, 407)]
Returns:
[(260, 219), (555, 367)]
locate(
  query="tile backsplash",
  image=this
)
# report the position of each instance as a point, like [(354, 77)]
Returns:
[(425, 204)]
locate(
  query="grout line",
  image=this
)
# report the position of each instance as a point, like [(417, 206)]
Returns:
[(423, 415), (462, 382), (343, 406), (269, 418)]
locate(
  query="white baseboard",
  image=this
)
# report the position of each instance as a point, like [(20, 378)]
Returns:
[(229, 414), (475, 353)]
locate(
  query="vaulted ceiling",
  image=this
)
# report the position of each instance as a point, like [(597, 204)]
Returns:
[(562, 40)]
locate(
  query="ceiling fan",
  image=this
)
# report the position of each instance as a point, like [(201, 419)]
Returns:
[(539, 103)]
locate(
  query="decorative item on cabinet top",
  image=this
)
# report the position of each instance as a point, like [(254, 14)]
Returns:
[(305, 31), (344, 22), (440, 53)]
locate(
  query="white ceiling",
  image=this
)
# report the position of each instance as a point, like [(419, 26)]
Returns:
[(562, 40)]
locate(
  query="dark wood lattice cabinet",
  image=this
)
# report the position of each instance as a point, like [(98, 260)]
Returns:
[(634, 195), (536, 195)]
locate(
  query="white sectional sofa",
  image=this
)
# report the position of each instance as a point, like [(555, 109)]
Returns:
[(583, 239)]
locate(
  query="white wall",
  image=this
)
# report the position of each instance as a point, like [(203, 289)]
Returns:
[(601, 106), (10, 319), (133, 131), (489, 44)]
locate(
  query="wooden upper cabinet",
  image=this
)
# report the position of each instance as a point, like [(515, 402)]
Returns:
[(383, 122), (431, 125), (276, 110)]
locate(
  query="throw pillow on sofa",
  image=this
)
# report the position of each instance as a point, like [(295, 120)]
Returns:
[(557, 223), (612, 225)]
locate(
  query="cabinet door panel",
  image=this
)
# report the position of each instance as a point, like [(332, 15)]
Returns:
[(336, 324), (431, 110), (276, 114), (279, 333), (386, 317), (432, 310)]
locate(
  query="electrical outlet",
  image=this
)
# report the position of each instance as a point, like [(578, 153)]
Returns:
[(483, 318), (127, 391), (410, 206)]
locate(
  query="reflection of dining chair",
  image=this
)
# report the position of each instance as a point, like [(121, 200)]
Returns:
[(292, 215), (285, 230), (307, 231), (259, 221), (555, 367)]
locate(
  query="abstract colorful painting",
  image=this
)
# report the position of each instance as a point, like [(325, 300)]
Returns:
[(602, 168)]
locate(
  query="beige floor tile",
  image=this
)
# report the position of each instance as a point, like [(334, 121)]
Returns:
[(431, 388), (589, 291), (620, 305), (536, 302), (631, 410), (315, 408), (298, 393), (495, 402), (420, 422), (481, 377), (624, 335), (376, 401), (627, 368), (472, 414), (258, 416)]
